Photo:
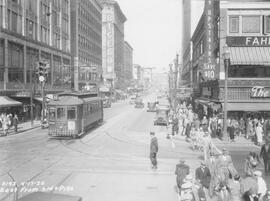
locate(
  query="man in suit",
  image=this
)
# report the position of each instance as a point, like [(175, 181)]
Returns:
[(203, 175), (153, 150), (181, 171), (265, 154), (211, 164)]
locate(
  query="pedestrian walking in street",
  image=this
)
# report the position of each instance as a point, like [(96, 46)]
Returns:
[(251, 164), (15, 123), (235, 188), (204, 124), (259, 134), (265, 155), (203, 176), (153, 150), (262, 188), (211, 164), (181, 171)]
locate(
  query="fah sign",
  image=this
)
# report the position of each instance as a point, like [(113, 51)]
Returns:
[(248, 41)]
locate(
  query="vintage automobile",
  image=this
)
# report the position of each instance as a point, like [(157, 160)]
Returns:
[(152, 106), (132, 99), (162, 116), (44, 196), (106, 102), (139, 103)]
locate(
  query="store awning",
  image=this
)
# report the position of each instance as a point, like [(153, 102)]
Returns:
[(8, 102), (250, 55), (251, 107)]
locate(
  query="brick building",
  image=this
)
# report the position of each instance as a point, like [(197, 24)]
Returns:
[(245, 29), (128, 64)]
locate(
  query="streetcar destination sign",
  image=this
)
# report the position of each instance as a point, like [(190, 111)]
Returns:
[(248, 41)]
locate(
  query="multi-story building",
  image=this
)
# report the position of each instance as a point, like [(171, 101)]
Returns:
[(86, 43), (30, 31), (128, 64), (243, 30), (192, 11), (113, 21)]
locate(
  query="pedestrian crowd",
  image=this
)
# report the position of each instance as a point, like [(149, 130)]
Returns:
[(216, 178), (7, 121)]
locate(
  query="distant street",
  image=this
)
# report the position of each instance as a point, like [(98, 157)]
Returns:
[(110, 162)]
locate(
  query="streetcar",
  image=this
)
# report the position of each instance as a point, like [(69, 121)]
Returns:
[(72, 114)]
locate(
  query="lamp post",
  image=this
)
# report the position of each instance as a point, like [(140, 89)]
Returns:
[(226, 57)]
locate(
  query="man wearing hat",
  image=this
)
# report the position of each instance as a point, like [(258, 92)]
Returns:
[(203, 175), (265, 154), (153, 150), (181, 171), (262, 188)]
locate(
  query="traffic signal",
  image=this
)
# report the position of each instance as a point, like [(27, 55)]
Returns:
[(43, 70)]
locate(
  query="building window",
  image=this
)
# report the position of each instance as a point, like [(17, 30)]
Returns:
[(234, 24), (31, 29), (251, 24), (267, 24)]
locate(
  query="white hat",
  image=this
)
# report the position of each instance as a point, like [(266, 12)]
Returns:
[(188, 177), (186, 185), (257, 173)]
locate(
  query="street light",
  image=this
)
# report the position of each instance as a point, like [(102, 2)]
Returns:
[(226, 57)]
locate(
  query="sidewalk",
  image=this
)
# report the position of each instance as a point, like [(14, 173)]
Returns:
[(22, 127)]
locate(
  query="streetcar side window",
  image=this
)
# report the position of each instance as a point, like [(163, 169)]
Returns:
[(61, 113), (71, 113)]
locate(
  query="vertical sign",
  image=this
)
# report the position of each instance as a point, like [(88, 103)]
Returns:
[(209, 67), (110, 44)]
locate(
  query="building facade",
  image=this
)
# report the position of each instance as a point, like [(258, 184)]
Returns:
[(128, 64), (86, 43), (244, 30), (192, 11), (113, 21), (34, 30)]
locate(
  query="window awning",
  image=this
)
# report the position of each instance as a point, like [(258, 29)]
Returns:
[(8, 102), (250, 55), (251, 107)]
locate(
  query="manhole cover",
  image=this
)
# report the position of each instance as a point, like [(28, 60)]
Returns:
[(93, 186)]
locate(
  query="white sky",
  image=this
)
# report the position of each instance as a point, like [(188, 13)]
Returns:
[(153, 29)]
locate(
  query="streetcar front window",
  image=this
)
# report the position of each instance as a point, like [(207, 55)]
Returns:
[(52, 114), (61, 113), (71, 113)]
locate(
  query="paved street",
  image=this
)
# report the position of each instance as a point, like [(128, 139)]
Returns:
[(110, 162)]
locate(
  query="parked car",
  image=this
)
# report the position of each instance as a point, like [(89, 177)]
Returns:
[(162, 116), (139, 103), (152, 106), (132, 100)]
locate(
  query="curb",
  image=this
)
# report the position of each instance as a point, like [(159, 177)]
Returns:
[(20, 131)]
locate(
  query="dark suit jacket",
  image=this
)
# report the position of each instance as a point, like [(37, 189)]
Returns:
[(154, 145), (203, 176), (265, 154)]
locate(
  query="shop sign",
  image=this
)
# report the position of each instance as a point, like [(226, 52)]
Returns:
[(260, 92), (248, 41), (209, 67)]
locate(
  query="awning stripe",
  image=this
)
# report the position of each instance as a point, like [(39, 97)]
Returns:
[(251, 107), (250, 55)]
